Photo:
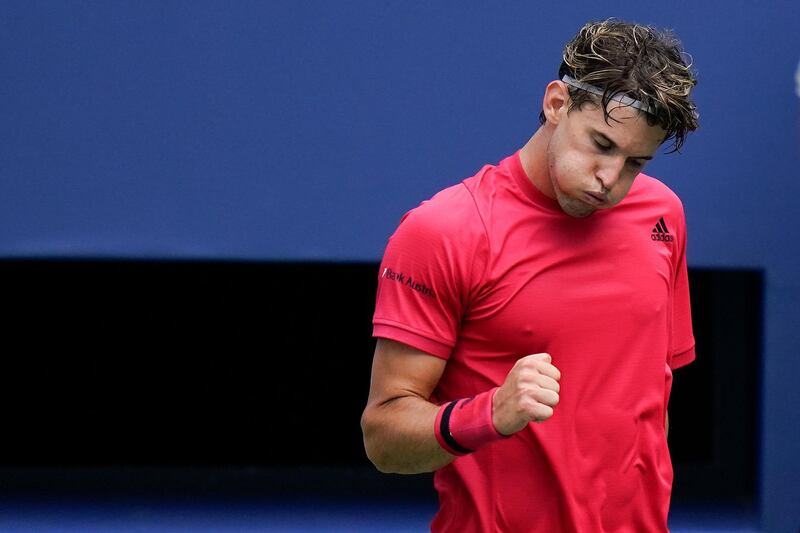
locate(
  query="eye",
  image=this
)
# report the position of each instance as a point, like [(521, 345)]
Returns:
[(602, 147)]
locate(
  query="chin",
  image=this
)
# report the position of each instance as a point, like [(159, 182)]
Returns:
[(575, 208), (581, 215)]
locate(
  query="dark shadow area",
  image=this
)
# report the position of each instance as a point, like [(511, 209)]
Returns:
[(250, 378), (715, 401)]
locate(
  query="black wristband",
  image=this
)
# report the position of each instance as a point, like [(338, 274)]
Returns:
[(444, 429)]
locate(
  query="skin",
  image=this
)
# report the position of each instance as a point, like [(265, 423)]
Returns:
[(576, 153), (585, 164)]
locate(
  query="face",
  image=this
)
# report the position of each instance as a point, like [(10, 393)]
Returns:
[(592, 164)]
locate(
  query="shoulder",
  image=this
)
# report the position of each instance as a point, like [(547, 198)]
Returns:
[(450, 214), (655, 203), (653, 187), (647, 189)]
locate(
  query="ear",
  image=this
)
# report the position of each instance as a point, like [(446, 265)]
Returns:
[(556, 101)]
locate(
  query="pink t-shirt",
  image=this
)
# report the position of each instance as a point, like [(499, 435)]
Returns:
[(491, 270)]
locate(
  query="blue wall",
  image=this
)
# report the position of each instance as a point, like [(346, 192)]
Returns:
[(303, 130)]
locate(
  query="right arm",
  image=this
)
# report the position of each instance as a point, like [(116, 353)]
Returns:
[(398, 422)]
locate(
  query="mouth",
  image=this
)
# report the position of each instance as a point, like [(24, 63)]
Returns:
[(595, 199)]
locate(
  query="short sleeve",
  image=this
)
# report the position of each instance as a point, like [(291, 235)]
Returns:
[(681, 337), (426, 274)]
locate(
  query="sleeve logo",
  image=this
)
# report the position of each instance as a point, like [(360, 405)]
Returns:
[(661, 232), (408, 281)]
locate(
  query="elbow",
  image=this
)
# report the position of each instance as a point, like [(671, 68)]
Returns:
[(380, 463), (376, 453)]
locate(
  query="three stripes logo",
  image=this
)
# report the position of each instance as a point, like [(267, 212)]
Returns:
[(660, 232)]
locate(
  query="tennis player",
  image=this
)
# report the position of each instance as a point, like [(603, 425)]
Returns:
[(529, 318)]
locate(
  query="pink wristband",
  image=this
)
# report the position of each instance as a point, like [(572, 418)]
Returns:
[(463, 426)]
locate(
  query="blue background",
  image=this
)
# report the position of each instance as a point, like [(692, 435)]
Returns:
[(304, 130)]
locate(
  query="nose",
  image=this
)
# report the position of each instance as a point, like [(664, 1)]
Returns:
[(608, 172)]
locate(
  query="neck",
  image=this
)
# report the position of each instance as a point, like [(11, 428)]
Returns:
[(533, 157)]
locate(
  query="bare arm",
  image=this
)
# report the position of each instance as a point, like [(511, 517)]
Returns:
[(398, 420)]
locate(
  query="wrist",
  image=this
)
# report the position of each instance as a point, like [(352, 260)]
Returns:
[(465, 425)]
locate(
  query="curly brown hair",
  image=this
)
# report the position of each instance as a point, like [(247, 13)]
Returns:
[(640, 62)]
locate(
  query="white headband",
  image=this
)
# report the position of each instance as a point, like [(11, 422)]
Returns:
[(621, 98)]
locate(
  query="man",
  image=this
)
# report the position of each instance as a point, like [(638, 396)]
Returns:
[(529, 318)]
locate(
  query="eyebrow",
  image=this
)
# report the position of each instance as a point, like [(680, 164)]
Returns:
[(613, 145)]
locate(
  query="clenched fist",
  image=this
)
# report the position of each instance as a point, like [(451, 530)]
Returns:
[(529, 394)]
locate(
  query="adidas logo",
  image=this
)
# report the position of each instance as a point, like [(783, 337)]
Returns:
[(660, 232)]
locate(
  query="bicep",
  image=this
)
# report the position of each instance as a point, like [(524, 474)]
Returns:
[(399, 370), (398, 422)]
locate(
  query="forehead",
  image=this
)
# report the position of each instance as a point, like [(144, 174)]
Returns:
[(626, 126)]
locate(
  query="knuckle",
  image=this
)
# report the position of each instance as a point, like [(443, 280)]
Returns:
[(551, 384), (534, 392), (544, 412), (528, 407), (528, 379)]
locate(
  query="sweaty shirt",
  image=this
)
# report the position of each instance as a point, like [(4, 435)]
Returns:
[(491, 270)]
